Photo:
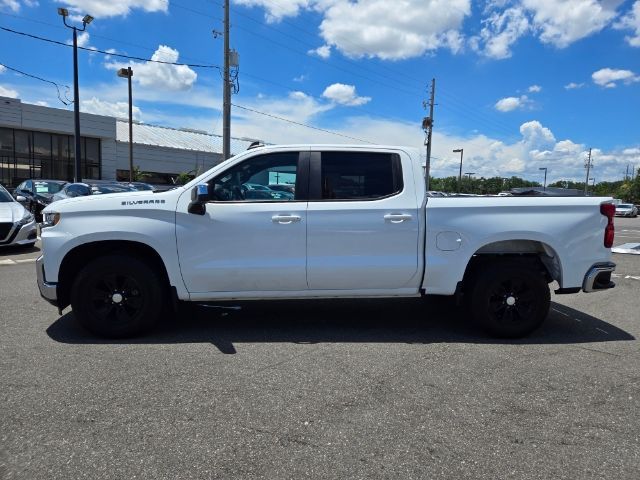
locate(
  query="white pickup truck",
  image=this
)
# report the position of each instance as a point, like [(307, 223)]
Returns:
[(319, 222)]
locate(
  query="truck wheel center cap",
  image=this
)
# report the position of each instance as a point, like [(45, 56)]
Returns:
[(116, 297), (511, 301)]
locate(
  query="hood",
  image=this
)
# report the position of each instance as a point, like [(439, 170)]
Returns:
[(11, 212)]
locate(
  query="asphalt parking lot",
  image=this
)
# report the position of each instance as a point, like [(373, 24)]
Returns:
[(335, 389)]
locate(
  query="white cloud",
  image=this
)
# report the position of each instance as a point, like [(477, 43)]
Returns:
[(114, 8), (534, 89), (631, 21), (392, 30), (300, 78), (159, 75), (14, 5), (607, 77), (573, 86), (42, 103), (509, 104), (344, 95), (536, 146), (500, 31), (111, 109), (276, 11), (323, 52), (2, 69), (553, 22), (8, 92), (562, 23), (535, 136)]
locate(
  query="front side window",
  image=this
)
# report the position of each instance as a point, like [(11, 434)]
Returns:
[(249, 181), (359, 175)]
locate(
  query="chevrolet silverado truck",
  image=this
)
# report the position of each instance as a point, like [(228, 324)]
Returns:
[(359, 224)]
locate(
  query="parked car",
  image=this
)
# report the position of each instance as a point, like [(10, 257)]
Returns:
[(283, 187), (37, 194), (255, 191), (626, 210), (73, 190), (17, 224), (122, 260), (140, 186)]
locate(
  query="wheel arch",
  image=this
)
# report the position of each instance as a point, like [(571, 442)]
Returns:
[(80, 255), (533, 251)]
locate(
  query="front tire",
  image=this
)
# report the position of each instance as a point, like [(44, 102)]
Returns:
[(510, 299), (117, 296)]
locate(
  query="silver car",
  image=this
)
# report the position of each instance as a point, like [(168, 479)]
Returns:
[(626, 210), (17, 224)]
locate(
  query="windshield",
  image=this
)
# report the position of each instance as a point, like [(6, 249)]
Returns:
[(4, 195), (98, 189), (625, 205), (48, 187)]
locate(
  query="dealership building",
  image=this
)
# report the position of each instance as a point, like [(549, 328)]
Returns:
[(37, 142)]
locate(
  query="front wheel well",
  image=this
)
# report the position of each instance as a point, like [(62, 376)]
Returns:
[(79, 256)]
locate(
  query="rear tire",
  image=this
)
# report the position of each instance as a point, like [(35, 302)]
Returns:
[(510, 299), (117, 296)]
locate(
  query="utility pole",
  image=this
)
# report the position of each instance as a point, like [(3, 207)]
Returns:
[(427, 126), (626, 175), (226, 90), (588, 167)]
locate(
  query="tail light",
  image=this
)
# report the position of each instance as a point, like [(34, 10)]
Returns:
[(609, 211)]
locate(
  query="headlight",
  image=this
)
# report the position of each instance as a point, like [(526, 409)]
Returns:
[(26, 218), (50, 219)]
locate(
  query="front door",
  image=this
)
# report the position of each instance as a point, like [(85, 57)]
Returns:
[(252, 238)]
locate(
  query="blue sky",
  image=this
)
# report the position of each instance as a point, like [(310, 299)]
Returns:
[(521, 84)]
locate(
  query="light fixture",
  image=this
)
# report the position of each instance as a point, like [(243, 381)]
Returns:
[(123, 73), (63, 12), (87, 19)]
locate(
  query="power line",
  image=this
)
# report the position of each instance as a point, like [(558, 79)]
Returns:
[(93, 35), (92, 49), (302, 124), (66, 102)]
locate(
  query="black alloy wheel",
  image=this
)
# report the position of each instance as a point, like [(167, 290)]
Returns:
[(510, 299), (117, 296)]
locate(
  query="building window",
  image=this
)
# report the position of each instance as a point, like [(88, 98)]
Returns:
[(26, 154)]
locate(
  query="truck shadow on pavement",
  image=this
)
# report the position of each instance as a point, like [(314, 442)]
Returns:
[(410, 321)]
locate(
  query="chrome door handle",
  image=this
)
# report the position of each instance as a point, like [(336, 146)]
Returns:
[(285, 219), (397, 217)]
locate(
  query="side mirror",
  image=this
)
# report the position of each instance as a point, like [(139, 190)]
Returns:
[(21, 199), (199, 198)]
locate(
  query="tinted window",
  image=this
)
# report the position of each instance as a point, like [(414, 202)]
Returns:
[(4, 195), (249, 181), (48, 187), (359, 175)]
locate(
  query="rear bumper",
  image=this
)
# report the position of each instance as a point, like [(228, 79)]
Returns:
[(48, 291), (599, 277)]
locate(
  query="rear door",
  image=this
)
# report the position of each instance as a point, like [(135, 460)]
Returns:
[(362, 229)]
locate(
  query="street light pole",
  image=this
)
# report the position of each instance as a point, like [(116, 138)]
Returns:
[(545, 177), (128, 73), (461, 151), (468, 174), (77, 176)]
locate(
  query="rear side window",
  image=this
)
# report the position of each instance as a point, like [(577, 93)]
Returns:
[(359, 175)]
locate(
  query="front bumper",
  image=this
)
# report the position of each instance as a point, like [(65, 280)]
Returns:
[(48, 291), (21, 235), (599, 277)]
